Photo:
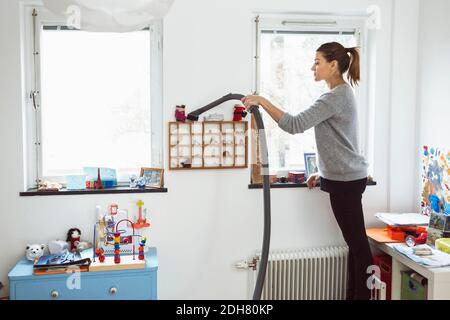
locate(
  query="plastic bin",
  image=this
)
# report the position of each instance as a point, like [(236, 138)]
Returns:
[(384, 262), (443, 245), (413, 286)]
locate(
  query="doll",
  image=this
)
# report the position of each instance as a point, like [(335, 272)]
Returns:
[(239, 112), (74, 242), (73, 238), (180, 114)]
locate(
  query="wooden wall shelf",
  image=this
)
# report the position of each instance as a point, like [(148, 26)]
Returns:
[(208, 145)]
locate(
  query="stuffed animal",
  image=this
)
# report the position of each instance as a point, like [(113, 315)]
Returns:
[(58, 247), (74, 242), (73, 238), (34, 251), (239, 112), (180, 114)]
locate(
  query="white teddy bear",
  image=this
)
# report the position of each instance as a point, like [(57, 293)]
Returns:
[(35, 251)]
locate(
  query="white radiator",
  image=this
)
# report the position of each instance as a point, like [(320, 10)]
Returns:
[(306, 274)]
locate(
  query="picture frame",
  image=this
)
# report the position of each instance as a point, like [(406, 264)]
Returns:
[(154, 177), (310, 164)]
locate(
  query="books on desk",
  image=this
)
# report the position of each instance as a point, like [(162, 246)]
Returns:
[(53, 263), (403, 219)]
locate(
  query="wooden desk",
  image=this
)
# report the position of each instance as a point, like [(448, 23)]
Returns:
[(438, 278)]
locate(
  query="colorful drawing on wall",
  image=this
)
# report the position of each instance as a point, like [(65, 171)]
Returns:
[(436, 192), (435, 181)]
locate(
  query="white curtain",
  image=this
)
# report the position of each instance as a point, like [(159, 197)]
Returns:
[(109, 15)]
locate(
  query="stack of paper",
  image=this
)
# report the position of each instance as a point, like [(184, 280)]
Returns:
[(403, 219), (436, 259)]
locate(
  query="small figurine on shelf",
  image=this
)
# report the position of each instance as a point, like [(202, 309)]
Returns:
[(140, 182), (239, 112), (213, 117), (133, 179), (186, 163), (180, 113), (99, 184)]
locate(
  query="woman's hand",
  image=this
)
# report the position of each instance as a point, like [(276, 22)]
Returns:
[(251, 100), (313, 180)]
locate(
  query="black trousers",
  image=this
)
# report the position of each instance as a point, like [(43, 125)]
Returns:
[(345, 198)]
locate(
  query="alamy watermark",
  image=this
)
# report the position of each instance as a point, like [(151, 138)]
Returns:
[(73, 17), (73, 281)]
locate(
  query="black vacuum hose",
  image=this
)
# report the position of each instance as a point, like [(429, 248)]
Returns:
[(266, 189), (266, 185)]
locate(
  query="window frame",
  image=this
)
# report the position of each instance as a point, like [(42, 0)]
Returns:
[(30, 43), (304, 23)]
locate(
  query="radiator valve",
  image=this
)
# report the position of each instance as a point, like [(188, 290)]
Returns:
[(246, 264)]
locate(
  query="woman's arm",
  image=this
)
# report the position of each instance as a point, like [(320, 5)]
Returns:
[(324, 107), (275, 112)]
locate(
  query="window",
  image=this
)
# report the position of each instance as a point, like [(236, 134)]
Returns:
[(286, 51), (96, 102)]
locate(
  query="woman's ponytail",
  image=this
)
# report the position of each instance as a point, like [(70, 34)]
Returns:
[(336, 51), (353, 74)]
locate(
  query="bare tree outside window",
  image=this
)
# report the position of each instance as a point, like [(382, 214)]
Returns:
[(287, 80)]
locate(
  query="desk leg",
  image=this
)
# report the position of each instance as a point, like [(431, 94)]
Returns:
[(438, 290), (397, 268)]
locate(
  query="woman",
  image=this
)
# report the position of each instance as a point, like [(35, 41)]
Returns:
[(342, 170)]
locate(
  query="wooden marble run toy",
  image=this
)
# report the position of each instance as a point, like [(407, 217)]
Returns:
[(117, 236)]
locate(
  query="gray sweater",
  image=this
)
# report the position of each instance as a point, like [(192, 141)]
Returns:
[(335, 119)]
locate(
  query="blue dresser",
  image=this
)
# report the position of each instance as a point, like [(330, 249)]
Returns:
[(137, 284)]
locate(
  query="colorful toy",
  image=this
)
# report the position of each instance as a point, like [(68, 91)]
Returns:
[(34, 251), (100, 253), (400, 233), (73, 237), (113, 209), (239, 112), (141, 248), (115, 234), (412, 240), (141, 221), (180, 113), (98, 184)]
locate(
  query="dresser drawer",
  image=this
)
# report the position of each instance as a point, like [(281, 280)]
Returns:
[(129, 284), (109, 286)]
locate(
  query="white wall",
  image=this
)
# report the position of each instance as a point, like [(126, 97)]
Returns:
[(209, 219), (434, 70), (433, 77), (403, 109)]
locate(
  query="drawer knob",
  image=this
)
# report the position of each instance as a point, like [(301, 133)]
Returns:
[(113, 290), (54, 294)]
